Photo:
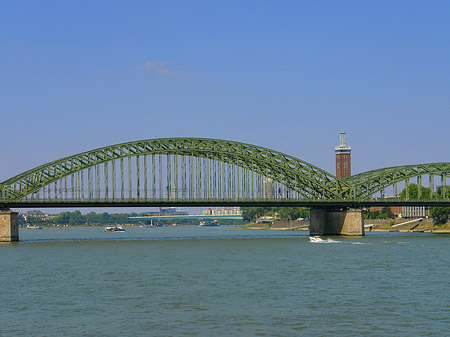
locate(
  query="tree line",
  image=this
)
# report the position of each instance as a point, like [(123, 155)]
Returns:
[(250, 214), (105, 219), (77, 219)]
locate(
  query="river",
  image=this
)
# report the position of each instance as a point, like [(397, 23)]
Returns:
[(192, 281)]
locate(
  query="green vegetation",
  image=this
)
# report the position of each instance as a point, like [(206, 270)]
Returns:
[(385, 213), (104, 219), (78, 219), (413, 190), (250, 214), (440, 214), (439, 193)]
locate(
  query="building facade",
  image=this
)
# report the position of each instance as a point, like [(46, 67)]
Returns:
[(223, 211), (343, 158), (415, 212), (405, 211), (268, 186)]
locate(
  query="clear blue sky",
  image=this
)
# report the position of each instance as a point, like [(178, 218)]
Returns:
[(287, 75)]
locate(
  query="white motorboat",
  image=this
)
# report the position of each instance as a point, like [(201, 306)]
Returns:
[(209, 223), (33, 227), (114, 229), (316, 238)]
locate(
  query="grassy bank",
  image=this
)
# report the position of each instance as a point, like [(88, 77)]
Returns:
[(402, 225), (378, 225)]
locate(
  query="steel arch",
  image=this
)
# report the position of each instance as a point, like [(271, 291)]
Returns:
[(296, 174), (368, 183)]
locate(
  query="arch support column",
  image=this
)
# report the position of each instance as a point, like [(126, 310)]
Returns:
[(328, 221), (9, 226)]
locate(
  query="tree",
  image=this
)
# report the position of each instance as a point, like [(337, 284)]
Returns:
[(63, 218), (439, 192), (413, 190), (371, 215), (440, 214), (386, 213), (249, 214), (91, 218), (292, 213), (105, 217), (76, 219)]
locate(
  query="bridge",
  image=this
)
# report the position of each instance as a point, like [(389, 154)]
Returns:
[(212, 172)]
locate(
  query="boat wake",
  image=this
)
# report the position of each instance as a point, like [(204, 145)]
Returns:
[(318, 239)]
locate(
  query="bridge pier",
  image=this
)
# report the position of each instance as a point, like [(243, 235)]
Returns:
[(326, 221), (9, 226)]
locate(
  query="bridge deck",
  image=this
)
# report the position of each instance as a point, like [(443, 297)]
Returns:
[(223, 203)]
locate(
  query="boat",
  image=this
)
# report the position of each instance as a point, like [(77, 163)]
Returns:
[(114, 229), (209, 223), (33, 227), (316, 238)]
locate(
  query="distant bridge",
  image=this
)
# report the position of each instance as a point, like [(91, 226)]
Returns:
[(211, 172), (188, 217)]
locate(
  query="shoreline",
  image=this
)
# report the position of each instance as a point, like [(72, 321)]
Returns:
[(371, 225), (379, 226)]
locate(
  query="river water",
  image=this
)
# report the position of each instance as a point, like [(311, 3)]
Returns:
[(221, 281)]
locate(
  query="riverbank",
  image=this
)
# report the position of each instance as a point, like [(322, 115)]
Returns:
[(402, 225), (278, 225), (371, 225)]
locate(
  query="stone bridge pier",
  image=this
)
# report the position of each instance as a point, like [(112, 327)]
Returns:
[(9, 226), (329, 221)]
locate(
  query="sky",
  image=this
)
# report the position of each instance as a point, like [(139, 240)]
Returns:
[(286, 75)]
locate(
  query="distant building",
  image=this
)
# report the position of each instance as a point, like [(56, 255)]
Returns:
[(405, 211), (167, 211), (223, 211), (343, 159), (415, 212), (268, 186), (34, 214)]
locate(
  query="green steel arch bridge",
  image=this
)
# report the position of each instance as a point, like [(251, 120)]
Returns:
[(212, 172)]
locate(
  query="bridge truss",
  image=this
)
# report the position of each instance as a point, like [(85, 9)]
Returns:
[(174, 169), (197, 171), (367, 184)]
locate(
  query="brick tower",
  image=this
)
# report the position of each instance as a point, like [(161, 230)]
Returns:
[(343, 159)]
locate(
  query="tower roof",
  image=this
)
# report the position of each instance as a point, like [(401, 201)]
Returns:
[(342, 145)]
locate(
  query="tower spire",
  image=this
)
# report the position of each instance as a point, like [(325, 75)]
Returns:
[(342, 138)]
